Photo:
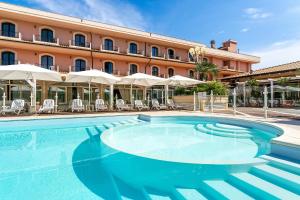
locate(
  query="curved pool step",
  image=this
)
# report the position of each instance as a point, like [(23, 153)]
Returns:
[(227, 126), (280, 177), (186, 193), (260, 188), (235, 131), (202, 128), (283, 164)]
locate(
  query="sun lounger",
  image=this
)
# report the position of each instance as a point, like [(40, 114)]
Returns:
[(172, 105), (140, 106), (120, 105), (77, 105), (157, 106), (16, 107), (48, 106), (100, 105)]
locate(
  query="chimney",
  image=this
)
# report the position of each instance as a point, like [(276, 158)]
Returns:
[(230, 45), (213, 44)]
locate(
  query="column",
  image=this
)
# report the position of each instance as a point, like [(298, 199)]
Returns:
[(272, 92), (111, 97)]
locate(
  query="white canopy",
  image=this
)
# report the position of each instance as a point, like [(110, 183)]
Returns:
[(92, 76), (182, 81), (27, 72), (142, 80)]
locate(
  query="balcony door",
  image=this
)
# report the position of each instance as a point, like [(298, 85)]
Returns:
[(108, 45), (8, 29), (47, 35), (47, 61), (7, 58), (80, 65), (109, 67), (80, 40)]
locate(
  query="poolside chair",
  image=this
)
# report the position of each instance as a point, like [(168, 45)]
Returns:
[(171, 105), (100, 105), (77, 105), (16, 107), (48, 106), (120, 105), (140, 106), (157, 106)]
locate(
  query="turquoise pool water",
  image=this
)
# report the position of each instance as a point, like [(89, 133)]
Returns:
[(126, 157)]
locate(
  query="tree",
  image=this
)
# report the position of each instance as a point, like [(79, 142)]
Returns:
[(254, 85), (217, 87), (284, 81), (206, 68)]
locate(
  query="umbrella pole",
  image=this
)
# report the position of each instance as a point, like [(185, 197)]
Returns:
[(111, 96), (131, 94), (166, 94), (90, 96)]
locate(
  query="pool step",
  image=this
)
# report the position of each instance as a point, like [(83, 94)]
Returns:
[(259, 188), (227, 130), (283, 164), (279, 177), (220, 189), (128, 192), (185, 193)]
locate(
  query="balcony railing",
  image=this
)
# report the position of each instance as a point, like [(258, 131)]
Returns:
[(173, 57), (138, 52), (228, 68), (115, 49), (77, 69), (74, 43), (52, 67), (160, 55), (37, 38), (14, 62), (10, 34)]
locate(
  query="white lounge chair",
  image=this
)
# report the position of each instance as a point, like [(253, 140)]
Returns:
[(157, 106), (77, 105), (140, 106), (120, 105), (100, 105), (172, 105), (16, 107), (48, 106)]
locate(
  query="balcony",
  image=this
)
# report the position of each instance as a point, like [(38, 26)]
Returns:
[(77, 69), (160, 55), (51, 41), (173, 57), (52, 68), (14, 62), (111, 49), (137, 53), (229, 68), (10, 35), (81, 45)]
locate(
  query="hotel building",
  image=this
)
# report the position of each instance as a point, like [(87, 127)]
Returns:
[(67, 44)]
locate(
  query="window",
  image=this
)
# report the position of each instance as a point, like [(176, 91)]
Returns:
[(47, 35), (155, 71), (8, 29), (171, 54), (80, 65), (133, 69), (205, 60), (191, 74), (108, 45), (133, 48), (47, 61), (170, 72), (7, 58), (154, 51), (109, 67), (79, 40), (191, 58)]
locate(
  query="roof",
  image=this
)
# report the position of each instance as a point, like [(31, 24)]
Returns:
[(274, 69)]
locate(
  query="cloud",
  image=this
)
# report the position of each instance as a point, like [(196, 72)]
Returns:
[(244, 30), (115, 12), (278, 53), (256, 13)]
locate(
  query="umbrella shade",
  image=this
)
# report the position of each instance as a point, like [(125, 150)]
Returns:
[(91, 76), (27, 71), (178, 80), (142, 80)]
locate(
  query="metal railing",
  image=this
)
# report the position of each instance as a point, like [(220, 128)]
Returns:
[(160, 55), (80, 44), (14, 62), (110, 48), (77, 68), (9, 34), (173, 57), (40, 39), (138, 52)]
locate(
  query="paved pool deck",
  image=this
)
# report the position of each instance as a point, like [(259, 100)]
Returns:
[(291, 127)]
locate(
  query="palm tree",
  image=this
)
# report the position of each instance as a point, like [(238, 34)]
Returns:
[(206, 68)]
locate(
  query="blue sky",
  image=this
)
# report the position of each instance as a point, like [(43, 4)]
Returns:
[(265, 28)]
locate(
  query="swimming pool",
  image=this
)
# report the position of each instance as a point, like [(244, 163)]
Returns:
[(139, 157)]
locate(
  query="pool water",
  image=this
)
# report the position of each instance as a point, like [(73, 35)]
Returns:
[(125, 157)]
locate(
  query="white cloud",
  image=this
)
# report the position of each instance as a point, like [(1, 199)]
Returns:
[(115, 12), (278, 53), (244, 30), (256, 13)]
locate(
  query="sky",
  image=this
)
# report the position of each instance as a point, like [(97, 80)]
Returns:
[(266, 28)]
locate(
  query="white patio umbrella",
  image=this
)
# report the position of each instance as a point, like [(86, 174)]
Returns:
[(141, 79), (178, 80), (29, 73), (93, 76)]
